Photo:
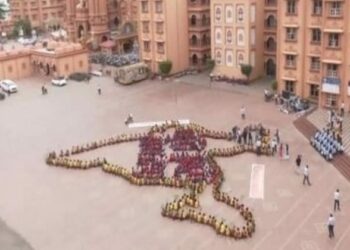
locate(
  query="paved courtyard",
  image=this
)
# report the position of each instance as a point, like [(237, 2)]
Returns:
[(46, 208)]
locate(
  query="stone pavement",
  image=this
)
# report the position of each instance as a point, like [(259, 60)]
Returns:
[(320, 117), (10, 240), (55, 209)]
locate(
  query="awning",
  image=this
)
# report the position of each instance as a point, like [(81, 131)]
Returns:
[(290, 53), (333, 30), (329, 61), (286, 78), (291, 25)]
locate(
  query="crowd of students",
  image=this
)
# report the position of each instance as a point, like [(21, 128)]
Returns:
[(195, 167), (328, 141)]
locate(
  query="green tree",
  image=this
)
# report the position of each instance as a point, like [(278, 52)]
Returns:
[(210, 64), (165, 67), (246, 70), (3, 11), (23, 24)]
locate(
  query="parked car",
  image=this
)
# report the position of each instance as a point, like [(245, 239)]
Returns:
[(96, 73), (2, 96), (59, 81), (8, 86)]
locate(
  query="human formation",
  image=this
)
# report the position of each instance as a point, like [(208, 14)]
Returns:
[(328, 141), (196, 168)]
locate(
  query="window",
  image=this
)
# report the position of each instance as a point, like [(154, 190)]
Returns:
[(218, 57), (229, 39), (317, 7), (240, 59), (81, 64), (314, 90), (291, 34), (290, 61), (218, 13), (146, 46), (291, 7), (332, 70), (315, 64), (331, 100), (144, 6), (9, 69), (159, 28), (333, 40), (160, 48), (24, 66), (159, 7), (316, 36), (240, 14), (335, 9), (145, 27), (66, 67), (289, 86)]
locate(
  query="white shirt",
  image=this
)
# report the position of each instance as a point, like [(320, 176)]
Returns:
[(336, 195), (306, 171), (242, 111), (331, 221), (342, 105)]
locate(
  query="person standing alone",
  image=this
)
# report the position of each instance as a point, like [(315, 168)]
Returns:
[(306, 176), (331, 224), (242, 111), (337, 200)]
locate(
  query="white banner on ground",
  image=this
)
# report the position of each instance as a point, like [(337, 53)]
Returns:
[(257, 179), (159, 123)]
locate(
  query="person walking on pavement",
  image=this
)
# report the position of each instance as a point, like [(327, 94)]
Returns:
[(342, 109), (298, 163), (306, 176), (242, 111), (331, 224), (337, 200)]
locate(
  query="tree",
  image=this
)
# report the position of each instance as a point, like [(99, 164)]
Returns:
[(210, 64), (3, 11), (165, 67), (23, 24), (246, 70)]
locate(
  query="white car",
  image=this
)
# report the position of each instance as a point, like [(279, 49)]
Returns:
[(8, 86), (59, 81), (96, 73)]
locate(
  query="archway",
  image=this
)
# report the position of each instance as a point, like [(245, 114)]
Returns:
[(270, 67), (104, 38), (194, 59), (194, 40), (193, 20), (47, 69), (80, 31), (116, 21), (271, 44), (128, 46)]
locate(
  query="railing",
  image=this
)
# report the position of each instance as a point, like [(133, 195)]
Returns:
[(199, 43), (199, 23)]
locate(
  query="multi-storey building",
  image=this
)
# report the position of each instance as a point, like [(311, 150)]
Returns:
[(237, 29), (314, 50), (199, 32), (163, 33), (97, 21), (270, 37), (41, 13)]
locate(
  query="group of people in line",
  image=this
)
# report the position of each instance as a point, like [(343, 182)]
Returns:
[(195, 168)]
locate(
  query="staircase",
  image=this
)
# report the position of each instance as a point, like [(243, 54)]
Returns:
[(308, 129)]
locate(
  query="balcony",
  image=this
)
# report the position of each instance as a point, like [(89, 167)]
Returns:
[(198, 5), (199, 24), (330, 84), (199, 45)]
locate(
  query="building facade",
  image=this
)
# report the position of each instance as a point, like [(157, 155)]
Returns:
[(314, 50), (237, 28), (53, 59), (46, 14), (270, 37), (164, 33), (96, 21), (199, 32)]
